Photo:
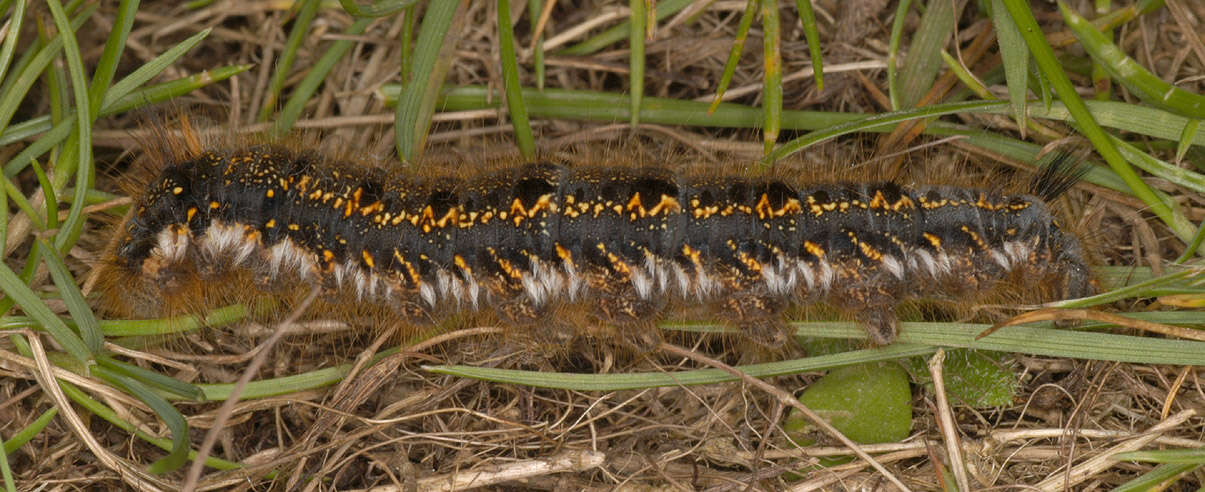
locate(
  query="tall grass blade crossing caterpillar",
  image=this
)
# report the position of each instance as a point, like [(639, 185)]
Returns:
[(625, 239)]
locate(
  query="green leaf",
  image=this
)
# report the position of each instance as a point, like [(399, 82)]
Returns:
[(81, 313), (869, 403), (924, 53), (808, 20), (638, 21), (416, 104), (1186, 456), (317, 76), (25, 297), (734, 54), (514, 87), (301, 26), (379, 9), (1015, 56), (772, 84), (167, 413), (974, 378), (1141, 82), (627, 381)]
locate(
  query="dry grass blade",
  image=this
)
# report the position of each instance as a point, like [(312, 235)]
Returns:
[(945, 420), (1104, 458), (1090, 315), (227, 409)]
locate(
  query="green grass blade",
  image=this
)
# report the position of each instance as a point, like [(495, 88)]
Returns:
[(6, 472), (632, 381), (1156, 479), (417, 103), (316, 76), (1049, 342), (1194, 245), (1049, 65), (150, 69), (1186, 136), (1183, 456), (880, 121), (18, 292), (15, 21), (315, 379), (301, 26), (136, 99), (51, 198), (636, 34), (772, 83), (81, 312), (80, 161), (14, 91), (152, 379), (514, 87), (1015, 57), (897, 33), (537, 54), (178, 455), (1175, 174), (379, 9), (180, 324), (965, 76), (1141, 82), (808, 19), (99, 409), (106, 66), (734, 54), (25, 435), (924, 59)]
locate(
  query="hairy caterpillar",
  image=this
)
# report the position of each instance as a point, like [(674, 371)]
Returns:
[(624, 240)]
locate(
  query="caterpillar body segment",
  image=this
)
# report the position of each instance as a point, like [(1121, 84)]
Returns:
[(622, 240)]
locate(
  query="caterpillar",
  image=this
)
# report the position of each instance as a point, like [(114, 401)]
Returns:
[(622, 240)]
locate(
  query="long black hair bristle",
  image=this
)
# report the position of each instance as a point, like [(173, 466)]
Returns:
[(1057, 173)]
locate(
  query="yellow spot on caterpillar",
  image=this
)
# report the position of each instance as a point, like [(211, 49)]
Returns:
[(328, 255), (509, 269), (564, 254), (749, 262), (814, 249), (414, 276), (294, 227), (635, 205), (270, 193), (192, 212), (933, 239), (271, 223), (315, 195), (619, 265), (668, 204), (214, 205), (177, 190), (693, 254), (974, 237), (463, 265), (367, 258), (867, 250)]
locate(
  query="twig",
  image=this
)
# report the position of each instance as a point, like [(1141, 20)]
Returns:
[(569, 461), (227, 408), (945, 421), (787, 399)]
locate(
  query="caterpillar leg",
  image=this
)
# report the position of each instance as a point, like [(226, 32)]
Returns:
[(874, 308), (758, 316)]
